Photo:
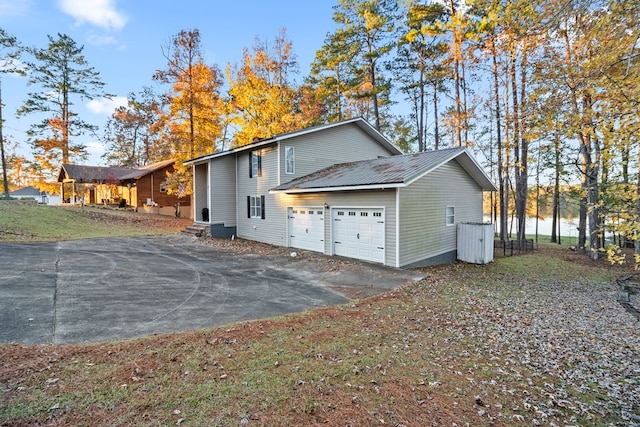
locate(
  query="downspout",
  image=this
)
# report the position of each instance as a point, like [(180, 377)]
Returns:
[(208, 190), (236, 193), (194, 191), (397, 227)]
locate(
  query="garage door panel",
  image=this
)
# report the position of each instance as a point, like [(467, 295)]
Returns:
[(359, 233), (306, 228)]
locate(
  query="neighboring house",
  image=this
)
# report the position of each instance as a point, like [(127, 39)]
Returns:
[(28, 192), (143, 188), (342, 189)]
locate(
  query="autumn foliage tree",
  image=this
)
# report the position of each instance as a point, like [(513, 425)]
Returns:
[(191, 121), (264, 100)]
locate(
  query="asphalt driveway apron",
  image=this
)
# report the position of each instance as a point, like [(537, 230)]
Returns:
[(118, 288)]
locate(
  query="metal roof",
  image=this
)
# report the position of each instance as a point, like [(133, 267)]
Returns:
[(387, 172), (103, 174), (358, 121)]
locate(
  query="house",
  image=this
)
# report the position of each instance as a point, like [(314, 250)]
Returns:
[(28, 192), (143, 188), (341, 189)]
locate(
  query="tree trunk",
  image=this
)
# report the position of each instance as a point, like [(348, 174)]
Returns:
[(501, 165), (457, 53), (519, 162), (555, 225), (436, 130)]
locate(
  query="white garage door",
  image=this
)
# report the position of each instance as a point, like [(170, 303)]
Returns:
[(359, 233), (306, 228)]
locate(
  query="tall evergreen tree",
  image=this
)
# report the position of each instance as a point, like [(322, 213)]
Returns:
[(367, 28), (421, 52), (9, 51), (62, 74)]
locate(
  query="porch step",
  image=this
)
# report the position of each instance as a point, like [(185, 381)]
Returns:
[(197, 230)]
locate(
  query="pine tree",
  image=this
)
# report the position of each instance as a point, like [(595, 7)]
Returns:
[(9, 51), (62, 74)]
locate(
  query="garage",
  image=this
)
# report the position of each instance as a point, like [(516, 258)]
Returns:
[(306, 228), (358, 233)]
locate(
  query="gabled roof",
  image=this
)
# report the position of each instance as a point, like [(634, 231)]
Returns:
[(359, 121), (104, 174), (92, 174), (26, 191), (387, 172), (141, 171)]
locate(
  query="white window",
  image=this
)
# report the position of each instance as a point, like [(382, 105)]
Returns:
[(255, 164), (255, 206), (289, 160), (450, 215)]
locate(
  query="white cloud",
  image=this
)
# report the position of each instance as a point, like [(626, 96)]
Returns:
[(98, 40), (106, 106), (95, 149), (101, 13)]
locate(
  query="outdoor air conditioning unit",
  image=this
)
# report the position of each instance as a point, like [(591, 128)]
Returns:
[(475, 242)]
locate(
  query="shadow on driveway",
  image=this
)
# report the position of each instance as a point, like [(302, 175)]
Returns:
[(119, 288)]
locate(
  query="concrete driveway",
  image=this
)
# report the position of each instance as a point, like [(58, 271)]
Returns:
[(119, 288)]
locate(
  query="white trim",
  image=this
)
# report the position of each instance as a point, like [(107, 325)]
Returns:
[(465, 153), (397, 239), (236, 193), (255, 207), (278, 163), (446, 216), (330, 189), (286, 163), (209, 202), (455, 154), (358, 121)]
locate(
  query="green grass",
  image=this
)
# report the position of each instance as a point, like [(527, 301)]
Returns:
[(21, 221)]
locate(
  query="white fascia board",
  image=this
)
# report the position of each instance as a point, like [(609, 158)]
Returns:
[(445, 161), (332, 189)]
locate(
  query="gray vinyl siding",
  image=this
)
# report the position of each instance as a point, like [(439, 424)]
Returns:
[(423, 233), (272, 229), (322, 149), (348, 199), (223, 187)]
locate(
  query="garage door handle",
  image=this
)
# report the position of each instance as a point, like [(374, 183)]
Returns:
[(358, 235), (306, 230)]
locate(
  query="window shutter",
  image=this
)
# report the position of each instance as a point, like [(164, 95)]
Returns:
[(262, 206), (251, 164), (260, 164), (248, 206)]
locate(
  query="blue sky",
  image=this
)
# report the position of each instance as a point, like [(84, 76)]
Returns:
[(123, 40)]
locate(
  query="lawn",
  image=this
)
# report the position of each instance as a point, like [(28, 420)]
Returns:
[(535, 339), (28, 221)]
